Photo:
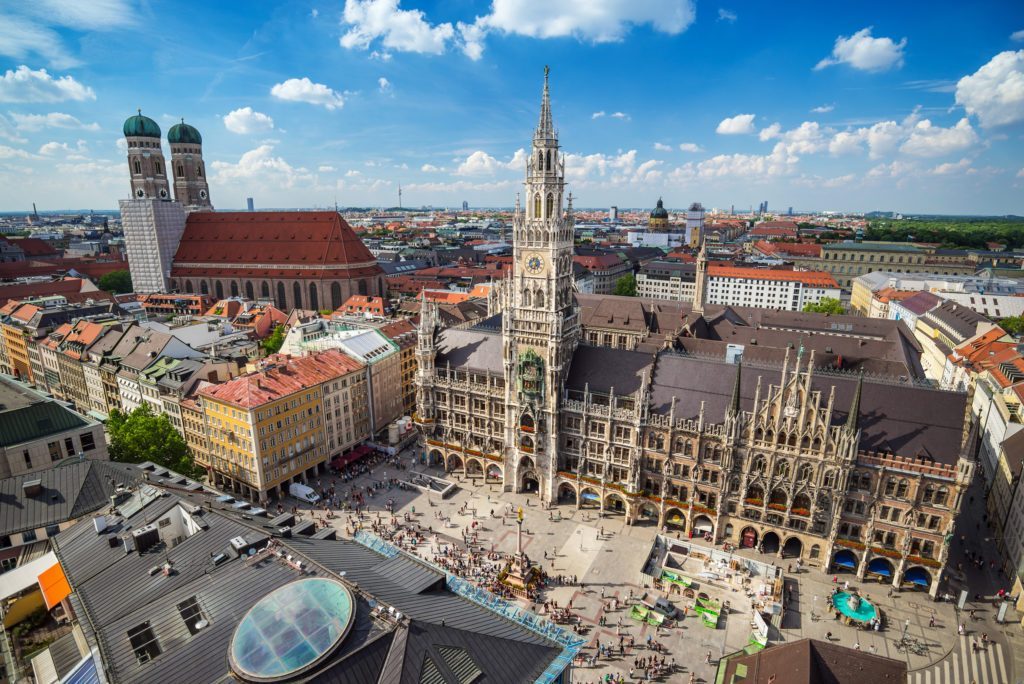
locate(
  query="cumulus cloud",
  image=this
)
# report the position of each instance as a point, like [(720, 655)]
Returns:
[(37, 122), (770, 132), (726, 15), (12, 152), (326, 168), (25, 85), (690, 147), (778, 163), (950, 168), (620, 115), (246, 120), (823, 109), (736, 125), (430, 168), (384, 85), (304, 90), (598, 115), (865, 52), (8, 131), (395, 28), (892, 170), (1017, 36), (261, 164), (662, 147), (995, 92), (479, 163), (598, 21), (928, 140), (53, 148)]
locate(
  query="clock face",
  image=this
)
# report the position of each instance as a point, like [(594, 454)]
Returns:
[(534, 264), (140, 193)]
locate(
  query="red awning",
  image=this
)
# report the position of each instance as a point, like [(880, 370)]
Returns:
[(344, 459)]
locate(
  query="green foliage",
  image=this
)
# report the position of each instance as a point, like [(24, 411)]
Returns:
[(118, 282), (626, 286), (828, 305), (272, 343), (142, 436), (958, 232), (1013, 325)]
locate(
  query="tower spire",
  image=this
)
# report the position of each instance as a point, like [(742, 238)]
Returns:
[(545, 127), (851, 418), (734, 402), (702, 268)]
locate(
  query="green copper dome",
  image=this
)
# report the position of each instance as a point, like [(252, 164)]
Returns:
[(183, 133), (659, 212), (141, 126)]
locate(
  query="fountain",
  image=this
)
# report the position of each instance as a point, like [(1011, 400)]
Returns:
[(854, 606)]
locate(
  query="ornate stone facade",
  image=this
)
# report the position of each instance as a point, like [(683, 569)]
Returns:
[(829, 467)]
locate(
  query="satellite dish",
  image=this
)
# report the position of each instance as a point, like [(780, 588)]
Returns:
[(373, 603), (252, 552)]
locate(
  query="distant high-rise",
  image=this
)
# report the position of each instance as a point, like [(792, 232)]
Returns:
[(465, 205), (732, 209), (765, 209), (790, 212), (249, 204), (613, 215)]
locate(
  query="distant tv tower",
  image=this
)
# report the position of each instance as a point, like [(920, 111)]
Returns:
[(399, 195)]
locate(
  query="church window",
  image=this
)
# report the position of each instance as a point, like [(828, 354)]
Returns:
[(782, 469), (941, 496), (547, 165), (540, 298), (536, 205), (551, 206), (527, 298), (805, 473), (759, 465), (181, 171), (156, 167), (540, 160), (830, 479), (138, 166)]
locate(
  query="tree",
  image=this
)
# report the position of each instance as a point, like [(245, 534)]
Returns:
[(825, 305), (118, 282), (626, 286), (142, 436), (1013, 325), (272, 343)]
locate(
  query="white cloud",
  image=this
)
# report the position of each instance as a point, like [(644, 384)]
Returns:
[(8, 131), (326, 168), (20, 38), (995, 92), (382, 55), (1020, 174), (478, 163), (597, 115), (620, 115), (950, 168), (823, 109), (928, 140), (397, 29), (846, 142), (726, 15), (736, 125), (430, 168), (882, 138), (690, 147), (863, 51), (352, 173), (892, 170), (807, 138), (778, 163), (770, 132), (471, 37), (384, 85), (314, 13), (662, 147), (51, 148), (304, 90), (246, 120), (1017, 36), (11, 152), (26, 85), (37, 122), (26, 28), (838, 181), (260, 164)]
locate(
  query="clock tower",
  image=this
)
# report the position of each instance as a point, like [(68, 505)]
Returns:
[(540, 321)]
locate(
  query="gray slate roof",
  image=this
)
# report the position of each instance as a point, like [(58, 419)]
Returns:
[(69, 491), (469, 349), (27, 415)]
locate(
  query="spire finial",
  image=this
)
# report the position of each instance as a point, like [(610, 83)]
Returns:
[(139, 110), (734, 404), (545, 128)]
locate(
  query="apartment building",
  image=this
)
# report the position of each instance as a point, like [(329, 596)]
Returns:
[(848, 260), (768, 288), (989, 296), (270, 428), (667, 279)]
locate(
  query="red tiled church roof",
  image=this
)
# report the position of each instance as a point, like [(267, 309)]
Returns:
[(296, 244)]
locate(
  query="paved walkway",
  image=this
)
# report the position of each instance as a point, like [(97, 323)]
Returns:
[(606, 556)]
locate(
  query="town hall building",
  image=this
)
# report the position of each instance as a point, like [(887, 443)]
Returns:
[(808, 436)]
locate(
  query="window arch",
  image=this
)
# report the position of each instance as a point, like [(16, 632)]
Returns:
[(203, 287), (902, 488), (540, 298), (804, 473), (138, 167), (181, 171), (218, 287), (551, 206), (314, 297), (335, 295), (941, 496), (527, 298), (929, 493), (830, 479), (249, 292), (760, 463), (547, 164), (540, 160), (282, 300), (297, 295), (536, 205), (188, 286), (234, 288), (157, 168), (361, 287), (199, 170), (782, 469)]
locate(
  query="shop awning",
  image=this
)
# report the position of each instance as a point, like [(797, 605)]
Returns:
[(55, 585), (343, 460), (880, 566), (845, 559), (918, 576), (590, 496)]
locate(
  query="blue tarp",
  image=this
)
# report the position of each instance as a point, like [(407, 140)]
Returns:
[(589, 496), (880, 566)]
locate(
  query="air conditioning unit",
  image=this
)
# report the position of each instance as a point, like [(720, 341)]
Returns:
[(146, 537), (239, 545)]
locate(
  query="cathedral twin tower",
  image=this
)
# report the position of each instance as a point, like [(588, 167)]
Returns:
[(149, 171)]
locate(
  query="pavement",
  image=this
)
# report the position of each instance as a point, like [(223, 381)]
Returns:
[(606, 556)]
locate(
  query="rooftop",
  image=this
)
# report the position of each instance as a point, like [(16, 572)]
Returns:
[(27, 415)]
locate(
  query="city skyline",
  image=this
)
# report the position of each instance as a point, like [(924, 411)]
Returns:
[(311, 104)]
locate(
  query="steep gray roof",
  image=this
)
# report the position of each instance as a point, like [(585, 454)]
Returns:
[(69, 491), (601, 369), (27, 415), (469, 350)]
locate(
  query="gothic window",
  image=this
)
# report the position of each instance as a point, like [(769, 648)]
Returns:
[(335, 295), (782, 469), (865, 481), (203, 288), (219, 289), (188, 286), (527, 298), (901, 489), (547, 164), (536, 205), (199, 170), (265, 290), (361, 287), (138, 167), (941, 496), (759, 465), (830, 480), (296, 295), (540, 161), (791, 440), (181, 171), (314, 299), (540, 299), (156, 168), (249, 292), (890, 486), (551, 206), (929, 494), (234, 288), (282, 302)]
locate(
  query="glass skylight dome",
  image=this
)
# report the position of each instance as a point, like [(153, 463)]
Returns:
[(291, 630)]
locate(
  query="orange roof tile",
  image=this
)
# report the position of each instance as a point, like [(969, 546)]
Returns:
[(812, 278)]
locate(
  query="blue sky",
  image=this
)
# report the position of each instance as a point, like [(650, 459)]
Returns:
[(905, 106)]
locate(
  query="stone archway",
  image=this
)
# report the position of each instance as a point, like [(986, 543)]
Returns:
[(770, 543), (844, 560), (748, 538), (493, 473), (566, 494), (917, 577), (435, 457), (614, 504), (675, 519), (702, 524), (529, 482), (474, 468), (793, 548), (881, 568), (646, 514), (453, 463)]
